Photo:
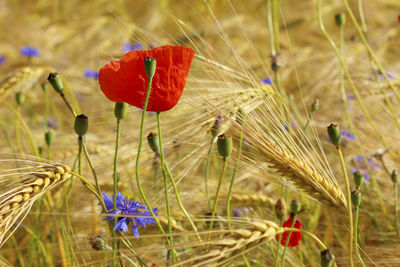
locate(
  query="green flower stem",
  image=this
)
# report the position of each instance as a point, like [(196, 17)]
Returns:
[(96, 180), (115, 164), (217, 195), (308, 120), (356, 209), (396, 226), (17, 134), (342, 162), (25, 126), (68, 104), (88, 185), (164, 174), (208, 171), (178, 199), (46, 109), (228, 200), (287, 240), (278, 247), (138, 161)]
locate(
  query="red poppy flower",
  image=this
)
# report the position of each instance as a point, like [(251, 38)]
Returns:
[(126, 81), (295, 237)]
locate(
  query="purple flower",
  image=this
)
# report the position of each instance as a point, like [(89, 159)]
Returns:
[(351, 97), (344, 134), (131, 47), (128, 211), (266, 81), (2, 59), (29, 51), (89, 73)]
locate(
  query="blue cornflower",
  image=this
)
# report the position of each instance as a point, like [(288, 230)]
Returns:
[(344, 134), (132, 47), (128, 211), (2, 59), (29, 51), (267, 81), (359, 161), (89, 73)]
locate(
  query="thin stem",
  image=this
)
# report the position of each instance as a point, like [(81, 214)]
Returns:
[(228, 200), (164, 178), (24, 125), (114, 243), (395, 210), (96, 180), (342, 162), (138, 161), (308, 120), (217, 195), (356, 209), (278, 247), (68, 104), (208, 171), (294, 217), (17, 134)]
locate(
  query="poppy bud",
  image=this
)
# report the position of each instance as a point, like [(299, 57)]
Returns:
[(81, 125), (358, 178), (315, 105), (154, 144), (45, 87), (224, 145), (340, 19), (216, 127), (334, 134), (120, 110), (49, 138), (295, 206), (150, 67), (20, 98), (280, 208), (393, 176), (56, 82), (356, 198), (327, 258)]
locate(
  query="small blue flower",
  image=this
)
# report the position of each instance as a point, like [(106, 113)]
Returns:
[(266, 81), (29, 51), (132, 47), (344, 134), (89, 73), (2, 59), (128, 211)]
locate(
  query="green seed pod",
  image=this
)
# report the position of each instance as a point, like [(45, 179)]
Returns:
[(295, 206), (340, 19), (315, 105), (98, 243), (49, 138), (216, 127), (393, 176), (120, 110), (334, 134), (154, 143), (20, 98), (224, 145), (45, 87), (358, 178), (280, 208), (327, 258), (81, 125), (56, 82), (356, 198), (150, 66)]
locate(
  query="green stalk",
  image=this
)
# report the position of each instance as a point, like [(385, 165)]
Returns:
[(17, 134), (217, 195), (342, 162), (228, 200), (164, 178), (208, 172), (114, 243), (356, 209), (395, 210), (138, 161), (287, 240)]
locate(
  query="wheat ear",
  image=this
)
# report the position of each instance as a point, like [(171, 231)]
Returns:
[(19, 200), (252, 200)]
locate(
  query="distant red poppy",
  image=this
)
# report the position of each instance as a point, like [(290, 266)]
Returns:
[(295, 237), (126, 81)]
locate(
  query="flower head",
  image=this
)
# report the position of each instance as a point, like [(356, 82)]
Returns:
[(128, 211), (2, 59), (126, 81), (29, 51), (267, 81), (132, 47), (295, 237), (89, 73)]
